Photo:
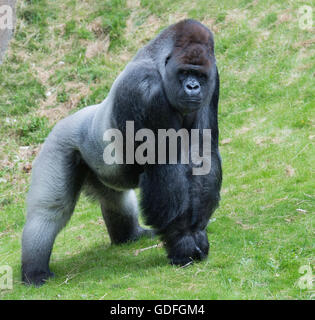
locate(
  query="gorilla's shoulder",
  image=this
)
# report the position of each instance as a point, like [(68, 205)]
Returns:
[(140, 72), (141, 79)]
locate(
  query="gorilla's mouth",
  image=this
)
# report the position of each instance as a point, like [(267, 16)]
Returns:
[(189, 105), (192, 101)]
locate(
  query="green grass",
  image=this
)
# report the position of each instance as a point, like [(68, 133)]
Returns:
[(263, 231)]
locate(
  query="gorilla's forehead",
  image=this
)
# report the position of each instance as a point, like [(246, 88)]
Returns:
[(193, 44), (191, 31), (193, 54)]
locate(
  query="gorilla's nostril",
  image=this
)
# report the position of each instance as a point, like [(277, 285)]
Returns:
[(192, 87)]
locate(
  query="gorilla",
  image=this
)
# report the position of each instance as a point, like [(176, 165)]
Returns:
[(171, 83)]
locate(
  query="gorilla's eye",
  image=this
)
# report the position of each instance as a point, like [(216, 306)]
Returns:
[(203, 76), (183, 72), (167, 59)]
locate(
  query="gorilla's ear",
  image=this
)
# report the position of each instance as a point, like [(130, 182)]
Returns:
[(214, 110), (215, 97)]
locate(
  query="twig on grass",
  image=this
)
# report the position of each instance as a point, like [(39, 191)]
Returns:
[(159, 245)]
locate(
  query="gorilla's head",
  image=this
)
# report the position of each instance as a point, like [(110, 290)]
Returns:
[(190, 69)]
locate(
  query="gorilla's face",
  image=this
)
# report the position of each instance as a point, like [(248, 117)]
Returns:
[(189, 86)]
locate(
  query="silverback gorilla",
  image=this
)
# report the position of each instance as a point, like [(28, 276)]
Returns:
[(171, 83)]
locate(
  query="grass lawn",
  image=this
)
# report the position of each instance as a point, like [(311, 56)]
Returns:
[(66, 54)]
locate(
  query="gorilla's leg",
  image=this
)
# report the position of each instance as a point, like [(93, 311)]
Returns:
[(120, 213), (56, 181)]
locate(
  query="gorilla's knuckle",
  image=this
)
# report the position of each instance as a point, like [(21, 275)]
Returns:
[(188, 248)]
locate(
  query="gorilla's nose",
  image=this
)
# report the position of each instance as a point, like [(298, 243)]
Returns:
[(192, 87)]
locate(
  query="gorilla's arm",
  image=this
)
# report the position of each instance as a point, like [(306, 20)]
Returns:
[(178, 205)]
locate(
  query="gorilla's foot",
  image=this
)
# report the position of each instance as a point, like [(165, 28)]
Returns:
[(135, 235), (148, 233), (141, 232), (35, 277), (188, 248)]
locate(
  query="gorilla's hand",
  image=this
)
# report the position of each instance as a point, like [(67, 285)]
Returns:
[(187, 247)]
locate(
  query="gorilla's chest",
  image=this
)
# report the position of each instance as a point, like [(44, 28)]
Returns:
[(120, 177)]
